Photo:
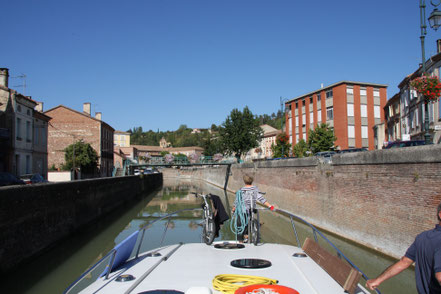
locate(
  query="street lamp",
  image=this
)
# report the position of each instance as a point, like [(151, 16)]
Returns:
[(435, 23)]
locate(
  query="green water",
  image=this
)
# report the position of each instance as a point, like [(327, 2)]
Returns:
[(55, 270)]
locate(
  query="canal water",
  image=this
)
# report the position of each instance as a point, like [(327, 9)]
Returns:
[(55, 270)]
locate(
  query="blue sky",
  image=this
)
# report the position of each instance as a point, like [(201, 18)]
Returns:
[(162, 63)]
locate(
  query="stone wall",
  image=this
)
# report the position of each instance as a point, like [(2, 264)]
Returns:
[(381, 199), (34, 217)]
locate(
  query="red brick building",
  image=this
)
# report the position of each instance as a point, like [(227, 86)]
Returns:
[(352, 108), (68, 126)]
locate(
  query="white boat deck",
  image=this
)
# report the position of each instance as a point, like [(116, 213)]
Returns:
[(196, 264)]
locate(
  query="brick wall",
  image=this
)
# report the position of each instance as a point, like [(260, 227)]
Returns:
[(67, 127), (381, 199), (34, 217)]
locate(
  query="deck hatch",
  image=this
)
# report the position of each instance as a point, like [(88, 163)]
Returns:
[(229, 246), (250, 263)]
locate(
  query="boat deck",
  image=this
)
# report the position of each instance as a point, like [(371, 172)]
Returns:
[(196, 264)]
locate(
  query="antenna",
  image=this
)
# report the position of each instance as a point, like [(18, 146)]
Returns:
[(23, 85)]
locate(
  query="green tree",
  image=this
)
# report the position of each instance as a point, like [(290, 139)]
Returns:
[(322, 138), (82, 155), (301, 148), (282, 147), (164, 153), (240, 132)]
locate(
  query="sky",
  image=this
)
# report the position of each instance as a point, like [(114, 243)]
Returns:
[(159, 64)]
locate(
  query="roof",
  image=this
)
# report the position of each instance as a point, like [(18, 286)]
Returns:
[(123, 133), (336, 84), (392, 100), (80, 113)]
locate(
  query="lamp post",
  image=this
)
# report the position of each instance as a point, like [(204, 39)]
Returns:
[(282, 103), (435, 23)]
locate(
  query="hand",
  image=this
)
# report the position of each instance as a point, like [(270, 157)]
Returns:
[(372, 284), (233, 210), (272, 208)]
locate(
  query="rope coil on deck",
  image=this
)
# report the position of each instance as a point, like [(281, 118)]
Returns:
[(229, 283), (239, 219)]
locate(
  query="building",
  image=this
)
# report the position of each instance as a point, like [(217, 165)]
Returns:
[(393, 118), (264, 149), (412, 108), (39, 158), (121, 139), (23, 132), (68, 126), (352, 108)]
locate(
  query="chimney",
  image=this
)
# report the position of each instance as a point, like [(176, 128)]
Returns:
[(321, 85), (438, 46), (39, 107), (86, 108), (98, 115), (4, 77)]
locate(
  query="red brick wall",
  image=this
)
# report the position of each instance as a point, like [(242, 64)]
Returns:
[(67, 127), (382, 202)]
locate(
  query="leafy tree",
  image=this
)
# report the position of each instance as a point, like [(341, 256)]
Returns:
[(80, 154), (322, 138), (211, 145), (282, 147), (164, 153), (301, 148), (240, 132)]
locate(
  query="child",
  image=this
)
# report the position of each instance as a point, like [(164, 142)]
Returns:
[(250, 194)]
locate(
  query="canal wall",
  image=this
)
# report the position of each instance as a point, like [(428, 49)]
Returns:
[(381, 199), (34, 217)]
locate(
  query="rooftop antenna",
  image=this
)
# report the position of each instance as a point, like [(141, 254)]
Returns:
[(23, 85)]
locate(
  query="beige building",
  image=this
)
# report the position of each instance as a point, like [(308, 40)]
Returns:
[(264, 149), (121, 139)]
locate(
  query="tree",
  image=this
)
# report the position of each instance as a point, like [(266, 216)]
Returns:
[(82, 155), (301, 148), (240, 132), (282, 147), (322, 138)]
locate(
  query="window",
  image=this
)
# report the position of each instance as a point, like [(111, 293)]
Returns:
[(329, 113), (329, 94), (18, 130), (350, 109), (297, 138), (289, 125), (36, 137), (297, 120), (310, 100), (364, 132), (363, 110), (297, 105), (351, 132), (377, 112), (28, 131), (311, 117), (304, 119), (303, 102), (363, 92), (319, 97), (350, 90), (376, 93), (19, 108), (304, 136), (319, 116)]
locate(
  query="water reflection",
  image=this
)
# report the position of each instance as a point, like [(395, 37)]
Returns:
[(55, 270)]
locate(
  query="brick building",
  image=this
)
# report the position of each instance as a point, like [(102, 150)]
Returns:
[(68, 126), (352, 108), (393, 118)]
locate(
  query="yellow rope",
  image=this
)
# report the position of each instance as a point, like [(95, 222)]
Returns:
[(230, 283)]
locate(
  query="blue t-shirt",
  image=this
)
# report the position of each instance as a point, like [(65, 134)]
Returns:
[(426, 252)]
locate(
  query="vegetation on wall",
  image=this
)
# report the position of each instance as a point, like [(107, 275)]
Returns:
[(80, 155)]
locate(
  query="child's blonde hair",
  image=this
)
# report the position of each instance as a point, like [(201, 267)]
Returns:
[(248, 180)]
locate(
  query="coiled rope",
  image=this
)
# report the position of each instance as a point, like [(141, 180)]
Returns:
[(230, 283), (239, 219)]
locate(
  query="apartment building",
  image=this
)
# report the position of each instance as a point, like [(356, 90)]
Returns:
[(412, 107), (352, 108), (121, 139), (23, 147), (68, 126), (393, 119)]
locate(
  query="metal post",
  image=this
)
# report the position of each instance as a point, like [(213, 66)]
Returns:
[(281, 120), (427, 137)]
